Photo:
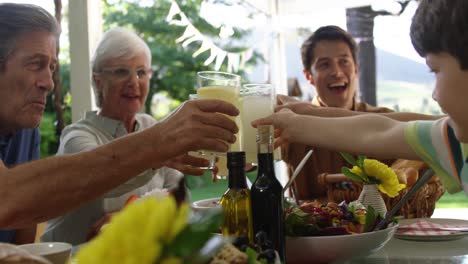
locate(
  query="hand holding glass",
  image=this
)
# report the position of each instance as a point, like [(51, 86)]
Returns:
[(222, 86)]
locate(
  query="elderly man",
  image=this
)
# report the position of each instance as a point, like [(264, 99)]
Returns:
[(40, 190)]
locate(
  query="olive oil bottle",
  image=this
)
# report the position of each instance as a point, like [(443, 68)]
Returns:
[(236, 200), (267, 194)]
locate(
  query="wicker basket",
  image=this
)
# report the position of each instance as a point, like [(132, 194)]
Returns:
[(421, 205)]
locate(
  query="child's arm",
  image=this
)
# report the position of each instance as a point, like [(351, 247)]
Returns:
[(370, 134), (305, 108)]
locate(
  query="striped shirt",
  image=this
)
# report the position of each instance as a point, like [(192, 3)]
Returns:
[(435, 143)]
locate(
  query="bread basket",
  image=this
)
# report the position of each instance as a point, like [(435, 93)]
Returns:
[(421, 205)]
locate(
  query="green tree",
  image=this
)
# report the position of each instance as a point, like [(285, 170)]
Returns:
[(174, 66)]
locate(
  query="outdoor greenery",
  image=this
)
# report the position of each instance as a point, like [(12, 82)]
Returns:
[(407, 97), (48, 127), (458, 200)]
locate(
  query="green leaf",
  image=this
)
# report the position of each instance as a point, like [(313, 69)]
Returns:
[(353, 176), (349, 158), (251, 255), (194, 236), (360, 161), (371, 215), (297, 224), (288, 204), (299, 212)]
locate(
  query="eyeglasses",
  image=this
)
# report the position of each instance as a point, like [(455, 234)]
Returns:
[(124, 73)]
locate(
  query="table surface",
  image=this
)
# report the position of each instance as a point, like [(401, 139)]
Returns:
[(405, 251)]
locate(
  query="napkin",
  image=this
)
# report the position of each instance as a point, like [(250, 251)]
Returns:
[(426, 228)]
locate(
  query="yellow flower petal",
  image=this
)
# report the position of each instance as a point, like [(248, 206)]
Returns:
[(137, 234), (356, 170), (180, 221), (389, 183)]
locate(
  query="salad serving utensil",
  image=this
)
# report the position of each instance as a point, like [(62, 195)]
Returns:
[(425, 178), (298, 169), (296, 172)]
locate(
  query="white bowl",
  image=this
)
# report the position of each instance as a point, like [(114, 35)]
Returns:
[(55, 252), (326, 249), (206, 204)]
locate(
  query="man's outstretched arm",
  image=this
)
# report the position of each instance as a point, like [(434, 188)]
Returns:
[(43, 189)]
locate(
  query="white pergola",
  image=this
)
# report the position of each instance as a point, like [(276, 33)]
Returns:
[(85, 29)]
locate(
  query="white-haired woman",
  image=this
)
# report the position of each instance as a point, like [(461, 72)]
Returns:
[(121, 69)]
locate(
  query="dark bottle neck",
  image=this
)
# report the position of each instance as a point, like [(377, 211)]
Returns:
[(266, 164), (236, 164), (265, 151), (237, 178)]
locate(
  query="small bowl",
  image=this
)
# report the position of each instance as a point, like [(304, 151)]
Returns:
[(326, 249), (55, 252), (206, 204)]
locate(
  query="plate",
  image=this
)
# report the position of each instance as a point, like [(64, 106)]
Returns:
[(206, 204), (433, 237)]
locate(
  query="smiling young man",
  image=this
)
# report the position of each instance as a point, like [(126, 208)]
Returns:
[(40, 190), (329, 61), (329, 65)]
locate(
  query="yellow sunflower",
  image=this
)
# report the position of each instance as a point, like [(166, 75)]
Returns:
[(371, 171), (137, 234), (387, 180)]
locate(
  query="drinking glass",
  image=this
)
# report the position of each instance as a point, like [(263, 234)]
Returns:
[(222, 86), (202, 153), (257, 101)]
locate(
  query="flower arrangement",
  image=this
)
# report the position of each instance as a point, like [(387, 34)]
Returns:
[(371, 171), (151, 231)]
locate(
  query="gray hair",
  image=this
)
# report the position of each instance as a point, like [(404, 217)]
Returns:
[(16, 19), (116, 43)]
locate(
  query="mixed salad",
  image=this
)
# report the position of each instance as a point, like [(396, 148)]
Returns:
[(315, 219)]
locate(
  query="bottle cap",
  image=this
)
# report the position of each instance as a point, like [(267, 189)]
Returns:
[(265, 134), (236, 159)]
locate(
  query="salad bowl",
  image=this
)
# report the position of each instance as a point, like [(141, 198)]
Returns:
[(328, 249)]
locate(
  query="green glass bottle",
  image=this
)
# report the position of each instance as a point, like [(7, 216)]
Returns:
[(236, 200), (267, 194)]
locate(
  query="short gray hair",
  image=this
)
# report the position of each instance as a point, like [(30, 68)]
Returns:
[(16, 19), (116, 43)]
